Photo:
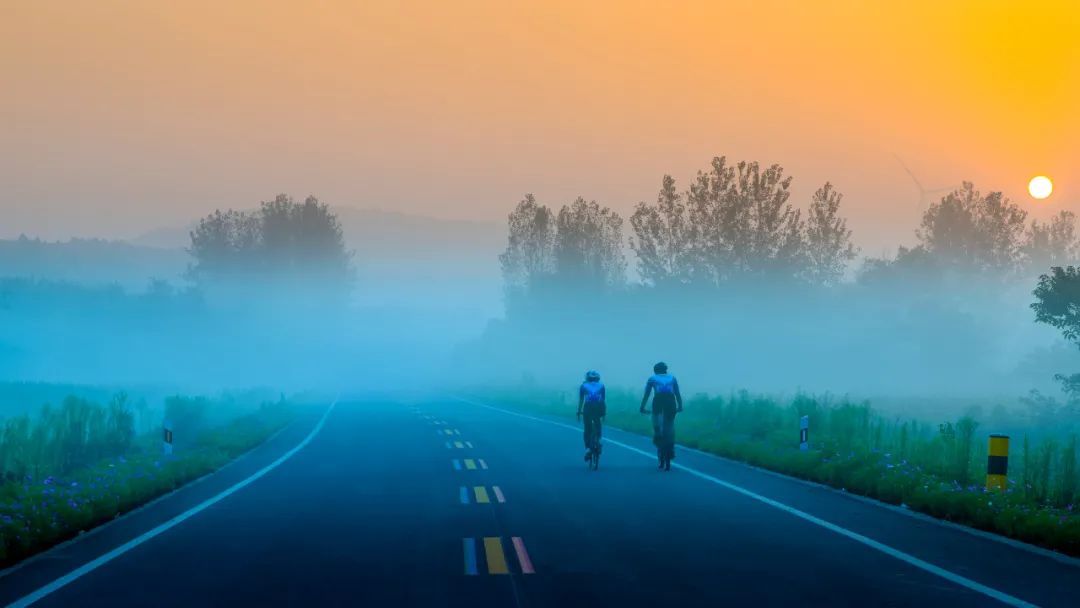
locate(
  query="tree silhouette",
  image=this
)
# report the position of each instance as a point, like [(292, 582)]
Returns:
[(736, 223), (530, 248), (301, 243), (1057, 304), (588, 245), (663, 237), (969, 231), (828, 239), (1054, 243), (1057, 301)]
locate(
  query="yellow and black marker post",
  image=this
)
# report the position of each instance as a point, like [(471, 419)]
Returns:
[(997, 463)]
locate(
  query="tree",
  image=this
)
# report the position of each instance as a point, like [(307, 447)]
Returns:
[(588, 245), (1057, 301), (828, 239), (663, 237), (744, 225), (1054, 243), (530, 244), (969, 231), (1057, 304), (283, 241), (224, 244)]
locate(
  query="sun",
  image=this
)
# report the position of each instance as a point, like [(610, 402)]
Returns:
[(1040, 187)]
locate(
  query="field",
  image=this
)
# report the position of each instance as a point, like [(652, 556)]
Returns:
[(67, 468), (937, 468)]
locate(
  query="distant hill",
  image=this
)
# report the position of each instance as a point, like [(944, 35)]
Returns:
[(166, 237), (90, 261), (391, 234), (401, 260), (384, 236)]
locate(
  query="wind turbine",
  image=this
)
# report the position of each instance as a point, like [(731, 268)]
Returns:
[(925, 196)]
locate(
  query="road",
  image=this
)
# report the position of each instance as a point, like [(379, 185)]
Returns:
[(440, 502)]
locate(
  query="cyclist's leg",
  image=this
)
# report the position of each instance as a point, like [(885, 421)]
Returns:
[(658, 426), (589, 421), (669, 434)]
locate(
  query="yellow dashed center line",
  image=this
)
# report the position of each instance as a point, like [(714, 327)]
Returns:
[(481, 494), (496, 560), (470, 464), (458, 444)]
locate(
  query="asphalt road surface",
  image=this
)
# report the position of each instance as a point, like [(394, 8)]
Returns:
[(441, 502)]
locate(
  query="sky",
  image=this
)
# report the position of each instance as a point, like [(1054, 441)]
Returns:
[(119, 117)]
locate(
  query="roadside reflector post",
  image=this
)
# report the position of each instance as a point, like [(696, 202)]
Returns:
[(804, 433), (997, 463), (167, 438)]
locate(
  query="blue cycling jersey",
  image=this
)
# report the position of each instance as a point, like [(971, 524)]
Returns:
[(663, 384), (592, 392)]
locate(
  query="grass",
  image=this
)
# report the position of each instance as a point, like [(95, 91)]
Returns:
[(937, 469), (75, 467)]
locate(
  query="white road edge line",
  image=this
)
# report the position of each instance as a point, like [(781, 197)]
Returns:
[(855, 536), (135, 542)]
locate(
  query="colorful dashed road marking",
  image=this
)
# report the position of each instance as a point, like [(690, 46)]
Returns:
[(496, 559), (481, 495), (470, 464), (470, 557), (498, 494), (523, 556)]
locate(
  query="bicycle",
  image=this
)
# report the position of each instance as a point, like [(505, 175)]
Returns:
[(665, 450), (592, 460)]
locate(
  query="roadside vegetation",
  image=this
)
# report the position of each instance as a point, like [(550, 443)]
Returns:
[(67, 468), (738, 285), (934, 468)]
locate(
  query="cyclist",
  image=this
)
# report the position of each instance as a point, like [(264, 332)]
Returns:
[(666, 403), (592, 402)]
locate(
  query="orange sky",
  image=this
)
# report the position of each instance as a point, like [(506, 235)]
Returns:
[(119, 117)]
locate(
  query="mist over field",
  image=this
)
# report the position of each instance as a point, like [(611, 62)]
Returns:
[(539, 303), (119, 313), (774, 299)]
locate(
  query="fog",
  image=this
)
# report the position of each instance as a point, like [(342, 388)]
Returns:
[(423, 305)]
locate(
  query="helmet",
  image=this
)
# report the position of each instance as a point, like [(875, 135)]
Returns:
[(660, 368), (592, 376)]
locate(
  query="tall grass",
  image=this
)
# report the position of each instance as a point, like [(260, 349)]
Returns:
[(60, 439), (934, 467), (72, 467)]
